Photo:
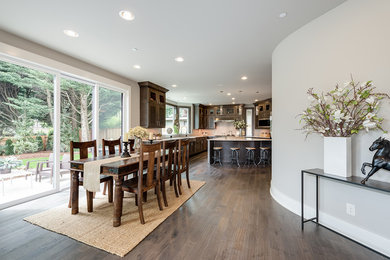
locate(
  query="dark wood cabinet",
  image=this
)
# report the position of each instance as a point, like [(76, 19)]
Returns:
[(263, 111), (200, 113), (152, 105), (198, 145)]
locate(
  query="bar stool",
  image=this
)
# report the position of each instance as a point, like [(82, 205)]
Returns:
[(265, 155), (217, 155), (250, 155), (235, 155)]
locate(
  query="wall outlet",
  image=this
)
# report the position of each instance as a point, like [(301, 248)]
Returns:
[(350, 209)]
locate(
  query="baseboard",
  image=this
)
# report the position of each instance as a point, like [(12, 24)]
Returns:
[(365, 237)]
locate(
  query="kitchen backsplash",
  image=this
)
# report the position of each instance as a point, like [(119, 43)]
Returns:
[(224, 128)]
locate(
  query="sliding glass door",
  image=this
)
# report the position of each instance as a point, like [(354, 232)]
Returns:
[(26, 127), (41, 111)]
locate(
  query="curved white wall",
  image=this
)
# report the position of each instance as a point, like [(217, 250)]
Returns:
[(352, 38)]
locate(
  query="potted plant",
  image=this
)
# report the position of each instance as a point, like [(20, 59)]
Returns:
[(240, 125), (339, 114)]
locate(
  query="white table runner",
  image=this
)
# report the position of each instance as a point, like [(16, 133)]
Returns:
[(91, 180)]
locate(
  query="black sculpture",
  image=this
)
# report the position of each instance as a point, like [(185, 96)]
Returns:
[(381, 159)]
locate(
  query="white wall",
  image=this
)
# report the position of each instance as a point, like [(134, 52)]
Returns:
[(20, 48), (352, 38)]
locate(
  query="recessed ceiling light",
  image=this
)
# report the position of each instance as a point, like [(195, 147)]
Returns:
[(184, 97), (210, 104), (233, 98), (135, 49), (229, 94), (282, 15), (174, 86), (233, 103), (127, 15), (256, 100), (137, 67), (244, 78), (71, 33), (179, 59)]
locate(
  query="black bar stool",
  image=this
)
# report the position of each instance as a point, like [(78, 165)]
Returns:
[(250, 155), (265, 155), (217, 155), (235, 156)]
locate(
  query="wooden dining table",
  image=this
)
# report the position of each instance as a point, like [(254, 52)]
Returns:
[(118, 170)]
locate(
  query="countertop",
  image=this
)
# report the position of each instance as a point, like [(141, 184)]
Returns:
[(240, 139)]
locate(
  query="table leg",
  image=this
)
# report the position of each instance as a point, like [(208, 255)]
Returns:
[(317, 206), (302, 202), (118, 201), (75, 192)]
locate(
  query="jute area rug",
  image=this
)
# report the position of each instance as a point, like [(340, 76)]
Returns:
[(95, 229)]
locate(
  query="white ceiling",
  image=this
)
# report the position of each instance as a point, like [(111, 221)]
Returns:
[(220, 40)]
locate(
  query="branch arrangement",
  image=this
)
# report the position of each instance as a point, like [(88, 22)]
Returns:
[(343, 111)]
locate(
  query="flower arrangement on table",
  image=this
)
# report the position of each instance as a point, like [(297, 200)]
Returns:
[(239, 124), (138, 132), (344, 111)]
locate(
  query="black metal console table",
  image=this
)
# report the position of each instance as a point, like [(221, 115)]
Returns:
[(319, 173)]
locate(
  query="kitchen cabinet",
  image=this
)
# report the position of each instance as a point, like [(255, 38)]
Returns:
[(198, 145), (200, 113), (152, 105), (263, 111)]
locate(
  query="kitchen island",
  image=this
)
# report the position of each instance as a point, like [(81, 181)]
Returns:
[(241, 142)]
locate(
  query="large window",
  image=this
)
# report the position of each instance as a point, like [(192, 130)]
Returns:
[(177, 120), (184, 120), (26, 128), (170, 116), (33, 108)]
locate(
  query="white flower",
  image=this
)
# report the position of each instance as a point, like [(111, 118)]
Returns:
[(347, 83), (370, 115), (367, 124), (337, 116), (339, 92), (370, 100)]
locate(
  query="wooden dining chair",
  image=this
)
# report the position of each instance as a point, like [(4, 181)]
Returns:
[(183, 162), (148, 180), (110, 144), (169, 166), (83, 149)]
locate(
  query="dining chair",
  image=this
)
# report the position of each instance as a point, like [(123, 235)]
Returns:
[(183, 162), (148, 180), (169, 167), (83, 149), (110, 144)]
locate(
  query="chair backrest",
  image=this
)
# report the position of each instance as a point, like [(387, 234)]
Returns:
[(65, 163), (111, 146), (153, 152), (131, 144), (83, 147), (169, 163), (184, 154)]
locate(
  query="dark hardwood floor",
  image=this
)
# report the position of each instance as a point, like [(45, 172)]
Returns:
[(232, 217)]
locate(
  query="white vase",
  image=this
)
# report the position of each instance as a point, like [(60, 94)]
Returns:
[(337, 156)]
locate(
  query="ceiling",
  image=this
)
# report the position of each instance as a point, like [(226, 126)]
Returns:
[(220, 40)]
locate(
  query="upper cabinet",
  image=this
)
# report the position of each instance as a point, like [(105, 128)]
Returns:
[(206, 116), (263, 111), (152, 105)]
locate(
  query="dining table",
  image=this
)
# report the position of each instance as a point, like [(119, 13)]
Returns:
[(118, 170)]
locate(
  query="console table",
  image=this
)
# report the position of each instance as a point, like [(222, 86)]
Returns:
[(354, 180)]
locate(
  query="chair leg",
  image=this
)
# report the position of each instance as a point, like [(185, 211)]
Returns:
[(89, 201), (175, 186), (178, 183), (110, 190), (159, 196), (140, 210), (145, 196), (188, 177), (70, 193), (136, 199), (164, 193), (104, 188)]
